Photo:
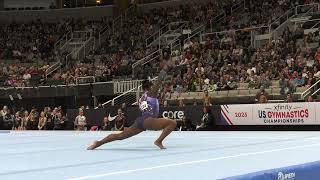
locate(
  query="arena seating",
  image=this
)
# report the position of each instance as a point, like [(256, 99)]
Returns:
[(226, 56)]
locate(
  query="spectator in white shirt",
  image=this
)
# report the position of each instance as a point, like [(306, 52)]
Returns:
[(199, 68), (80, 121)]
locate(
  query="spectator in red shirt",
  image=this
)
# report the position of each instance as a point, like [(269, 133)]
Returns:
[(317, 55)]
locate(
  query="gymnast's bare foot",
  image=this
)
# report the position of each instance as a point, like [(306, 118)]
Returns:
[(159, 144), (94, 145)]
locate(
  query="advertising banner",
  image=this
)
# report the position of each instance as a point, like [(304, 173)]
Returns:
[(95, 116), (271, 114)]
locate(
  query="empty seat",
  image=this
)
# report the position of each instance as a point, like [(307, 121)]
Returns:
[(301, 89), (233, 93), (275, 83), (254, 91), (243, 85), (223, 93), (243, 92), (269, 91), (275, 91)]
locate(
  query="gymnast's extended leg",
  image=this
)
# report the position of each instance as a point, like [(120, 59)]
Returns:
[(128, 132)]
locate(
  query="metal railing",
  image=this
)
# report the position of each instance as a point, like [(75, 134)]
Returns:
[(307, 8), (195, 32), (62, 41), (214, 21), (279, 25), (237, 6), (85, 49), (124, 86), (115, 24), (127, 96), (170, 28), (175, 45), (130, 97), (118, 21), (222, 14), (103, 33), (56, 85), (312, 89), (315, 92), (316, 25), (85, 80), (156, 53), (156, 35), (72, 55), (52, 69), (81, 35), (250, 32)]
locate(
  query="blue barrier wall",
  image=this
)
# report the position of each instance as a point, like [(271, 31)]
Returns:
[(308, 171)]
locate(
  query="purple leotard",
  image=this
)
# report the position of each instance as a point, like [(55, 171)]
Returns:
[(151, 111)]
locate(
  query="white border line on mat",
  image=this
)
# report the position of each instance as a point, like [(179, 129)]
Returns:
[(189, 162)]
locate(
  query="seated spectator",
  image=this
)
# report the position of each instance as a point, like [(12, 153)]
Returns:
[(181, 103), (289, 98), (17, 121), (4, 111), (106, 124), (261, 92), (309, 99), (26, 78), (8, 120), (231, 84), (286, 88), (263, 99), (165, 103), (206, 120), (50, 118), (186, 125), (298, 81), (195, 102), (120, 121), (59, 121), (32, 123), (25, 120), (264, 81), (310, 80), (80, 121), (316, 72), (94, 128), (206, 99), (317, 55), (42, 121)]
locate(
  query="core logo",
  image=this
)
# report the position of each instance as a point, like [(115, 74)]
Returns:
[(288, 176), (173, 114)]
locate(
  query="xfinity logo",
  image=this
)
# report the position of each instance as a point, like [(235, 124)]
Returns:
[(288, 176), (173, 114), (280, 107)]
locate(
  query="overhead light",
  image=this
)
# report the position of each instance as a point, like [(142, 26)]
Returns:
[(98, 1)]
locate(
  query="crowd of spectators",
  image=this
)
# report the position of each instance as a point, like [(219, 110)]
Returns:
[(120, 49), (33, 42), (47, 119), (56, 119), (220, 62), (217, 64)]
